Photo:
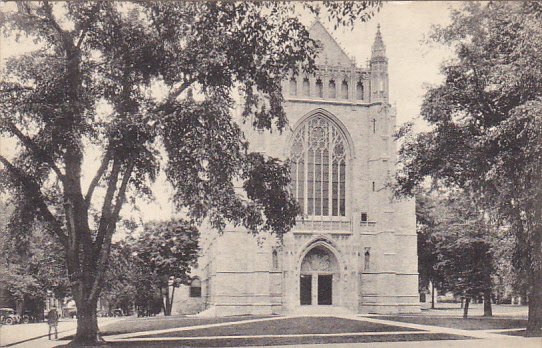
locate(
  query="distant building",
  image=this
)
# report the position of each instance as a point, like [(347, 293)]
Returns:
[(354, 248)]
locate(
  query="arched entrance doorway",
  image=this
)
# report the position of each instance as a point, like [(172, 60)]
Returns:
[(319, 278)]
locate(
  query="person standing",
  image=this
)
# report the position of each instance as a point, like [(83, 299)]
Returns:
[(52, 320)]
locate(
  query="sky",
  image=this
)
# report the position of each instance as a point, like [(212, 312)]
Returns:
[(413, 65)]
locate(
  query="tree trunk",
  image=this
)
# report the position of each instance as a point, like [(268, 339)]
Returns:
[(164, 303), (462, 302), (87, 324), (170, 305), (488, 312), (19, 306), (466, 308), (523, 299), (432, 295), (534, 324)]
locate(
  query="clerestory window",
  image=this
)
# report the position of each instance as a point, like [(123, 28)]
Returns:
[(318, 168)]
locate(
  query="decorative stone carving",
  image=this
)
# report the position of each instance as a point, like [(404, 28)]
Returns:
[(319, 260)]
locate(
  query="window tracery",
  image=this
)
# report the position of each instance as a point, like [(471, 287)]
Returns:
[(318, 160)]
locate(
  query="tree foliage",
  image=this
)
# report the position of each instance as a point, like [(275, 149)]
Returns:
[(486, 135), (31, 263), (166, 252), (459, 242), (92, 82)]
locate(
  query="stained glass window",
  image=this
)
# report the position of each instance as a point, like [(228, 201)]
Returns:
[(318, 160)]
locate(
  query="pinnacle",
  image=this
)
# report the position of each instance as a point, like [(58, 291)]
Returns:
[(379, 49)]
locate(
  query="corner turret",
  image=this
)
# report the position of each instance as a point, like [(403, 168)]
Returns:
[(379, 70)]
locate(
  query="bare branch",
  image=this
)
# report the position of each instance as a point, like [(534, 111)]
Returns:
[(38, 152), (33, 193), (99, 173)]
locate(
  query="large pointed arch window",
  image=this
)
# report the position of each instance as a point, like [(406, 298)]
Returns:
[(318, 168)]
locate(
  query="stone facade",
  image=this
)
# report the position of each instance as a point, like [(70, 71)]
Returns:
[(354, 248)]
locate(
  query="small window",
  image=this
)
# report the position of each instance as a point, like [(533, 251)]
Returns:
[(275, 257), (367, 264), (374, 125), (195, 288), (359, 91), (364, 217), (319, 88), (332, 93), (306, 88), (373, 186), (293, 86), (344, 90)]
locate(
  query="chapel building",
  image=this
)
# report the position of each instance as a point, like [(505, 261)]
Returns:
[(353, 249)]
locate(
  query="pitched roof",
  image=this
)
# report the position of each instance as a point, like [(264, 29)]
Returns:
[(330, 52)]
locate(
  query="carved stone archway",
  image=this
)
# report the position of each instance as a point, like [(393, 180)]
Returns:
[(319, 280)]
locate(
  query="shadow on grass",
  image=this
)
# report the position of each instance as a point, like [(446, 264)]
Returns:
[(521, 333), (297, 341)]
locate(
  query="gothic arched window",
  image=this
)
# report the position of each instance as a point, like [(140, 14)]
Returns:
[(318, 160), (359, 91), (319, 89), (344, 90), (293, 86), (306, 88), (331, 89)]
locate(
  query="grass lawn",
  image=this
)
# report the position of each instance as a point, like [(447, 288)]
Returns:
[(158, 323), (288, 326), (521, 333), (240, 342), (478, 323)]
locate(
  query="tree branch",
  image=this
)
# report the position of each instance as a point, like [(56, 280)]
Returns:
[(51, 19), (99, 173), (33, 193), (40, 154), (107, 204), (175, 93), (105, 238), (92, 17)]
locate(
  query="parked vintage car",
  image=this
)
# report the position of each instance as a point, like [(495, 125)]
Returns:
[(8, 316)]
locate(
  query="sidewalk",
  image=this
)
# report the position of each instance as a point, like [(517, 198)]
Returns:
[(36, 334), (485, 343)]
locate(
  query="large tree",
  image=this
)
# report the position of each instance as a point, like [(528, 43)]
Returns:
[(486, 119), (91, 85)]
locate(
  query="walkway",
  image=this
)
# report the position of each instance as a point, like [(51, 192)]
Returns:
[(28, 335), (481, 338)]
